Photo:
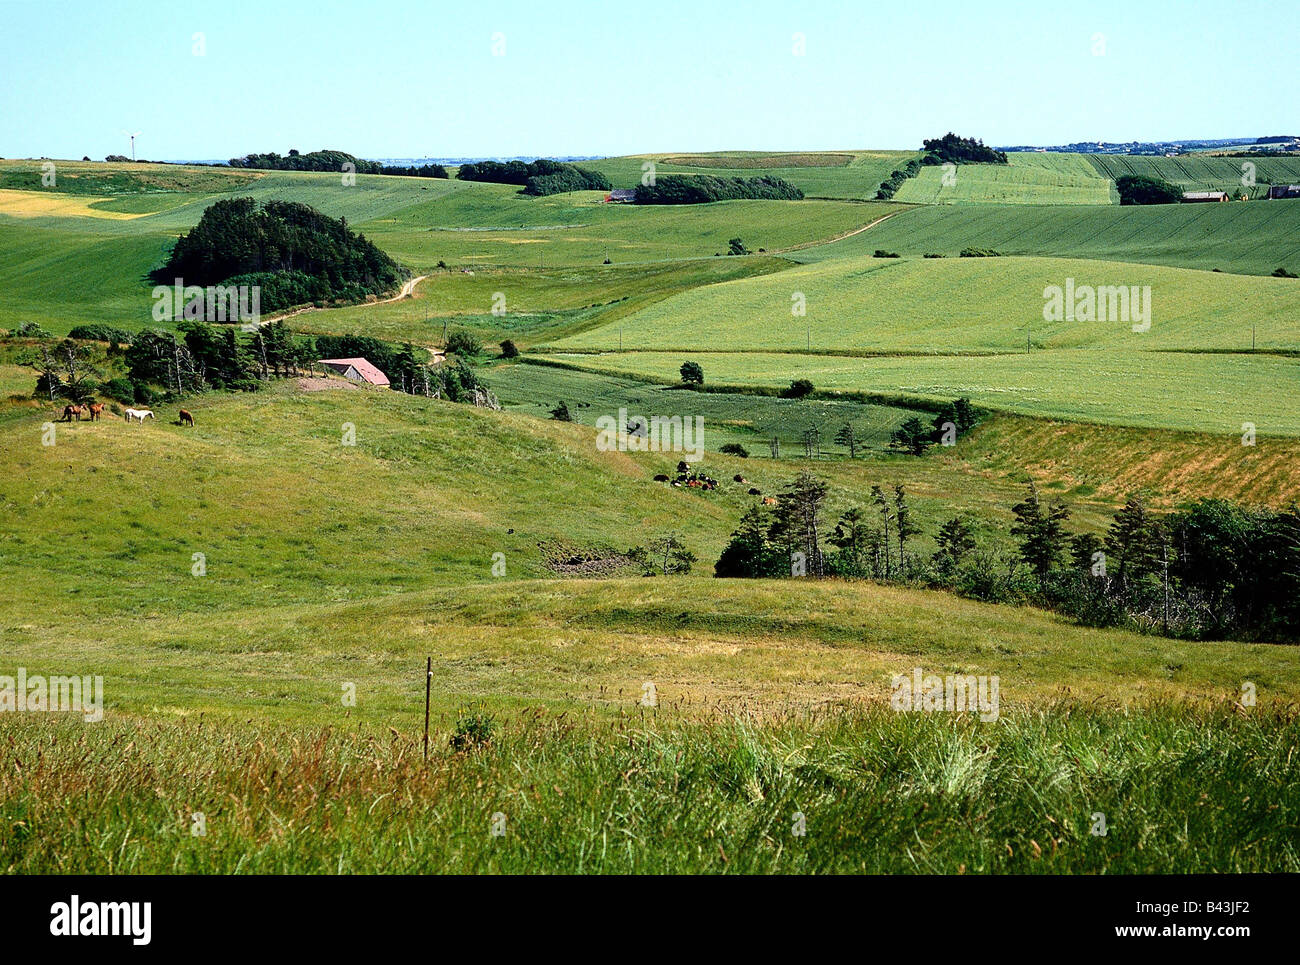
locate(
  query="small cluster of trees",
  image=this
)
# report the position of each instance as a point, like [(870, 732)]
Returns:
[(951, 422), (707, 188), (291, 251), (1140, 189), (1213, 569), (951, 149), (570, 179)]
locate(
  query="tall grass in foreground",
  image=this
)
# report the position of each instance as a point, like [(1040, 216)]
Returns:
[(1182, 790)]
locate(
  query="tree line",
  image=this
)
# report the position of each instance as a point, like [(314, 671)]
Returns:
[(333, 161), (707, 188), (1213, 569)]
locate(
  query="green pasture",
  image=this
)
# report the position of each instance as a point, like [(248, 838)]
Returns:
[(1250, 238), (939, 305), (1211, 393)]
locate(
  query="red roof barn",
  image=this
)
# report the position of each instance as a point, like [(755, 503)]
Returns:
[(358, 370)]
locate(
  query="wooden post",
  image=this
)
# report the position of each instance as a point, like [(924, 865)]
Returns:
[(428, 682)]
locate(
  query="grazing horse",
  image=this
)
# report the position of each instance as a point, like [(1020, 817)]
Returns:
[(137, 415), (96, 410), (70, 410), (186, 418)]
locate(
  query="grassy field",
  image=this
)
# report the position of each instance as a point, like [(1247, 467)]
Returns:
[(748, 420), (1209, 393), (1181, 791), (1252, 238), (535, 304), (938, 305)]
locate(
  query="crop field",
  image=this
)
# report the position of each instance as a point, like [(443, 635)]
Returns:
[(1199, 172), (1253, 238), (1212, 393), (938, 305), (1025, 179)]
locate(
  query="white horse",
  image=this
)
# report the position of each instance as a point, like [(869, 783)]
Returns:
[(137, 415)]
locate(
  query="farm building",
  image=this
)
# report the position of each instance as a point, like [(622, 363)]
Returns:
[(1276, 191), (1205, 196), (622, 195), (358, 370)]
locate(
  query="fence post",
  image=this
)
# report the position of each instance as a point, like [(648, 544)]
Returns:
[(428, 681)]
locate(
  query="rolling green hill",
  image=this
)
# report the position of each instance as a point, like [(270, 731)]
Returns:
[(937, 305), (1252, 238), (1025, 179), (1201, 172)]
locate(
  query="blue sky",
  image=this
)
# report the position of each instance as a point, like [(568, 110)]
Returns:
[(399, 79)]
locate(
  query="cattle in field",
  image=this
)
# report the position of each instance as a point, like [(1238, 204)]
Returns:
[(661, 478), (754, 491), (769, 500), (739, 478)]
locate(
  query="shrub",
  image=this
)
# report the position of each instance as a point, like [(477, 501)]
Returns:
[(99, 332), (1281, 273), (692, 373), (120, 390), (464, 343), (736, 247), (473, 730), (29, 330), (508, 349), (882, 253), (734, 449), (561, 412), (797, 389), (980, 253)]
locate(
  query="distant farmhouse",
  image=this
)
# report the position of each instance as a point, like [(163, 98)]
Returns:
[(621, 195), (1277, 191), (1205, 195), (358, 370)]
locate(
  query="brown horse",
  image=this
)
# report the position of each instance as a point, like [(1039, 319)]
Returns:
[(186, 418), (73, 410), (96, 410)]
